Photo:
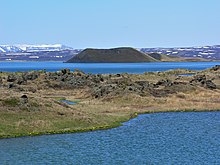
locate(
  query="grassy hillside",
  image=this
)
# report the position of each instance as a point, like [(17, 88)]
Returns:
[(115, 55), (163, 57), (168, 58)]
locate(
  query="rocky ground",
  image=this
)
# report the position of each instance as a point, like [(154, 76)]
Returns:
[(30, 101)]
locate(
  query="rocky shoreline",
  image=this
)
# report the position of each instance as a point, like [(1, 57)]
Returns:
[(106, 84)]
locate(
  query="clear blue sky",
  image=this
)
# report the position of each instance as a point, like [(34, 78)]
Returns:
[(110, 23)]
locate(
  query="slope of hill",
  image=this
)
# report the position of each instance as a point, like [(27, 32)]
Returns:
[(164, 57), (169, 58), (115, 55)]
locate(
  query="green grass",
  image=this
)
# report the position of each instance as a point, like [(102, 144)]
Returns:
[(87, 116), (60, 98), (31, 123), (13, 102), (75, 101)]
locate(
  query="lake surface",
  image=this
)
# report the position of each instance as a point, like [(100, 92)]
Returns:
[(160, 138), (105, 67)]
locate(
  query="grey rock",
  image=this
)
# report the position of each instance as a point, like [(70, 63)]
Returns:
[(21, 81), (11, 85), (202, 81), (30, 75), (164, 82), (11, 78), (65, 71), (210, 85), (215, 68), (1, 80), (24, 99)]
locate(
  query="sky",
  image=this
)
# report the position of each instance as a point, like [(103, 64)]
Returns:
[(110, 23)]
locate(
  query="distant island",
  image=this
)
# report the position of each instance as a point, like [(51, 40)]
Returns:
[(115, 55), (122, 55)]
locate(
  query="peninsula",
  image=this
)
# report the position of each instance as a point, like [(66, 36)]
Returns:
[(39, 102)]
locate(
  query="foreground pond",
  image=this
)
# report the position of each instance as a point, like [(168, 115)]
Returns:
[(161, 138), (68, 102)]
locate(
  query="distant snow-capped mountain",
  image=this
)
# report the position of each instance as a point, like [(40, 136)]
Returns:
[(62, 52), (32, 48), (9, 48), (207, 52)]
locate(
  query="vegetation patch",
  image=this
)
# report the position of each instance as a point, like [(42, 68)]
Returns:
[(120, 97), (13, 102)]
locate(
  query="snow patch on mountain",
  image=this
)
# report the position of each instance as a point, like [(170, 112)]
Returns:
[(9, 48), (2, 50), (33, 48)]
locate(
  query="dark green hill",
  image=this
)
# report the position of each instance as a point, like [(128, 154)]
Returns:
[(115, 55)]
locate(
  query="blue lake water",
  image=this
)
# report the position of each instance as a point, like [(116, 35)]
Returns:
[(68, 102), (160, 138), (105, 67)]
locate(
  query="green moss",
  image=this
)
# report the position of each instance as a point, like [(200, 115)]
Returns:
[(34, 104), (10, 102), (48, 105), (75, 101), (60, 98)]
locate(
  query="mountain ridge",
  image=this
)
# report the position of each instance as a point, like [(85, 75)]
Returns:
[(19, 48), (59, 52)]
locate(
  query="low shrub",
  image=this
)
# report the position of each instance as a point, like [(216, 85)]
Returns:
[(10, 102)]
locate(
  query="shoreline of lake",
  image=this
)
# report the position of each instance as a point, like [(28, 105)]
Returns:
[(147, 136), (104, 127), (30, 100)]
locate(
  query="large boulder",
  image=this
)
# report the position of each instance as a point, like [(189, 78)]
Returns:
[(202, 81), (65, 71), (31, 75), (215, 68), (24, 99), (143, 84), (164, 82), (11, 85), (21, 81), (210, 85), (12, 78)]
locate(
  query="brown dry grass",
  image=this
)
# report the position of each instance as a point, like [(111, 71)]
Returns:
[(45, 113)]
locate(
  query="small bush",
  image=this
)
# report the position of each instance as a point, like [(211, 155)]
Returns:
[(181, 96), (10, 102), (34, 104)]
